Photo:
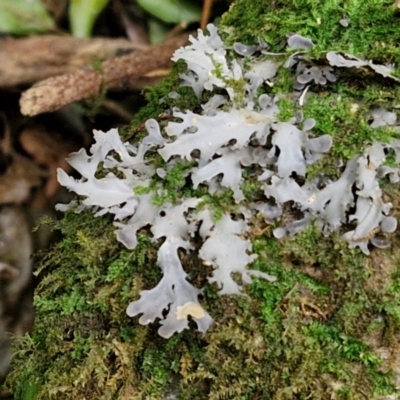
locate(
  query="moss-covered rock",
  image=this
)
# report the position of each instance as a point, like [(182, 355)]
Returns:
[(329, 326)]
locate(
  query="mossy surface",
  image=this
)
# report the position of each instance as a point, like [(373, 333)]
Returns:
[(318, 332), (372, 26)]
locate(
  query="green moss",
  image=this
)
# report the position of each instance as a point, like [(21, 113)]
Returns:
[(174, 184), (219, 203), (339, 117), (372, 26), (251, 188), (299, 336), (158, 101), (286, 109), (284, 84), (312, 339)]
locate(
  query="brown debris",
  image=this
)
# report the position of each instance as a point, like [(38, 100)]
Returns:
[(16, 274), (54, 93), (56, 8), (21, 174), (19, 179), (7, 272), (15, 252), (314, 311), (28, 60), (30, 153), (134, 28), (205, 15), (50, 150)]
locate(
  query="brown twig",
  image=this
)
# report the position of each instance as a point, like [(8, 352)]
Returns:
[(28, 60), (205, 15), (54, 93)]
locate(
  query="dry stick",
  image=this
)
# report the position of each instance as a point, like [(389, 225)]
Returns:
[(205, 15), (31, 59), (54, 93)]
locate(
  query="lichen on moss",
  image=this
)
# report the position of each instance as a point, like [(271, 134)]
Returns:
[(316, 332), (372, 29)]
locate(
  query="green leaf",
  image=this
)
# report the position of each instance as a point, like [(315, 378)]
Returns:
[(83, 14), (21, 17), (158, 31), (172, 11)]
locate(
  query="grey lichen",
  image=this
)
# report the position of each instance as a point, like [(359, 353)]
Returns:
[(223, 144)]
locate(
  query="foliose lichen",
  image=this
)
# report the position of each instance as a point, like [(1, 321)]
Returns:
[(228, 139)]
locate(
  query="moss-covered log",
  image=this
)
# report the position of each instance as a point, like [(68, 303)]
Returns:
[(329, 327)]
